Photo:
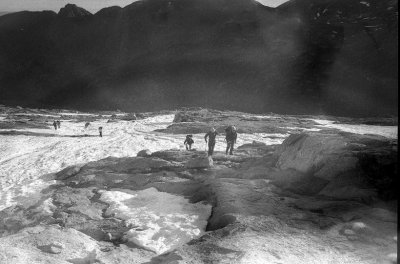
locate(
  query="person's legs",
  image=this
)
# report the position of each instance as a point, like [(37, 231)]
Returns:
[(190, 146), (231, 148), (211, 148)]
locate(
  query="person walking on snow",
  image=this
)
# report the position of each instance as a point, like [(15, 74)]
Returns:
[(231, 136), (58, 124), (188, 142), (55, 125), (211, 135), (101, 131)]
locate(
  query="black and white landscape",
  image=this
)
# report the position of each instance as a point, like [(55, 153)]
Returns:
[(310, 85)]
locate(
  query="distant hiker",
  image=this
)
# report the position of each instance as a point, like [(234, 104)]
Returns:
[(58, 124), (55, 125), (211, 135), (231, 136), (188, 142), (101, 131), (87, 125)]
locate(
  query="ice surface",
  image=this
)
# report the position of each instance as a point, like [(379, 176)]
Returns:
[(159, 221)]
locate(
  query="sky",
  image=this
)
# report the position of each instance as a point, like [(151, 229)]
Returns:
[(90, 5)]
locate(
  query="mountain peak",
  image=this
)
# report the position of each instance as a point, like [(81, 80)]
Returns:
[(72, 10)]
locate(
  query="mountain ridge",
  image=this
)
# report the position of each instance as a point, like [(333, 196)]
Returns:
[(154, 54)]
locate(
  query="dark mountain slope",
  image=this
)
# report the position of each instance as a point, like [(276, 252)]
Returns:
[(237, 54)]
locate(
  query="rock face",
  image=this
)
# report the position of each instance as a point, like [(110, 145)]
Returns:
[(306, 47), (339, 163)]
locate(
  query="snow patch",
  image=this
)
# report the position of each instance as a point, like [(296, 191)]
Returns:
[(160, 221), (365, 3), (386, 131)]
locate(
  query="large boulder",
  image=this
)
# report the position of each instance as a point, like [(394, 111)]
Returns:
[(323, 155), (351, 166), (144, 153)]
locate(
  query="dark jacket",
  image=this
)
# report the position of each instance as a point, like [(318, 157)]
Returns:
[(189, 141), (231, 136), (211, 136)]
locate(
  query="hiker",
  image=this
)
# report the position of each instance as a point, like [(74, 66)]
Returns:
[(101, 131), (231, 136), (58, 124), (87, 125), (55, 125), (188, 142), (211, 135)]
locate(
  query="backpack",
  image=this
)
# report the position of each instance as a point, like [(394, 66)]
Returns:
[(230, 129), (189, 139), (230, 132)]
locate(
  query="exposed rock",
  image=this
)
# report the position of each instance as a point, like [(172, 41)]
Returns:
[(129, 117), (200, 163), (319, 154), (22, 247), (340, 161), (53, 248), (68, 172), (144, 153)]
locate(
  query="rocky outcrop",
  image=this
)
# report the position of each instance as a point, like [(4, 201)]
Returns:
[(341, 164), (73, 11), (129, 117), (144, 153)]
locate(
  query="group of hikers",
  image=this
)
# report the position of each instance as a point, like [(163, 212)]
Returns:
[(57, 124), (210, 138), (100, 129)]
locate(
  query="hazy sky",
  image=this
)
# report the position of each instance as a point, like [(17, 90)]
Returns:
[(90, 5)]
